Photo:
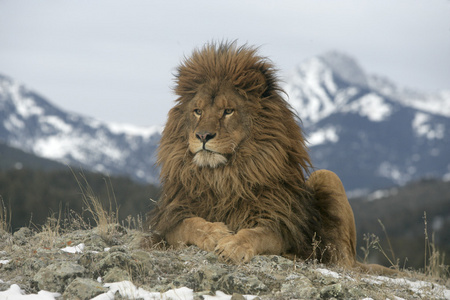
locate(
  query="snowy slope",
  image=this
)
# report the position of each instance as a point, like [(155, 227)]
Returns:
[(323, 85), (29, 122), (365, 128)]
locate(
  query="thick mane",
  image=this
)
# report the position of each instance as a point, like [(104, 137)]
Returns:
[(241, 66), (264, 181)]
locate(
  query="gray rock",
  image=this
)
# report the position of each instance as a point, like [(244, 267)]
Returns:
[(242, 284), (332, 291), (206, 277), (56, 277), (22, 236), (236, 296), (95, 242), (300, 287), (117, 274), (91, 259), (83, 289), (117, 259)]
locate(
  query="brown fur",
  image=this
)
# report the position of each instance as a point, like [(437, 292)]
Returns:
[(234, 168)]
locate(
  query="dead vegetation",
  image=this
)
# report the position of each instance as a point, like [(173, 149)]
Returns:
[(271, 277)]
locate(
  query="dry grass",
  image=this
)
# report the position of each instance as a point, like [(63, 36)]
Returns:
[(5, 217), (434, 266), (50, 231), (103, 216), (136, 223), (392, 258), (433, 259)]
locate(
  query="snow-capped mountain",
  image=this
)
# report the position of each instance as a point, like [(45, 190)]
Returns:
[(29, 122), (365, 128)]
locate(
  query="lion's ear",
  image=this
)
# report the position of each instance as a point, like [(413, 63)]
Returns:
[(252, 82)]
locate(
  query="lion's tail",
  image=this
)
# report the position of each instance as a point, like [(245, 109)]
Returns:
[(374, 269)]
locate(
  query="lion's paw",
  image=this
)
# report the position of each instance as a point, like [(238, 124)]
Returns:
[(233, 250), (212, 234)]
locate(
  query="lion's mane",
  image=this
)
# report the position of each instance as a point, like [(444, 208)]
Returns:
[(263, 184)]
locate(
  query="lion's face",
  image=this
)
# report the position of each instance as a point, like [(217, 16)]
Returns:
[(219, 123)]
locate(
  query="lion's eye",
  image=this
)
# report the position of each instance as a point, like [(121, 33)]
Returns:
[(198, 112), (228, 111)]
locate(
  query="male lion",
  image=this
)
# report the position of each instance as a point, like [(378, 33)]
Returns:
[(234, 168)]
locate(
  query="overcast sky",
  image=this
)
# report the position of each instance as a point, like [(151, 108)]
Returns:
[(113, 60)]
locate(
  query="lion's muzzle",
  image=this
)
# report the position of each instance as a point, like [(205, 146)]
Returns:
[(204, 137), (206, 158)]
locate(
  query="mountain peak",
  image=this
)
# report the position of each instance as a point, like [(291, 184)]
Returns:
[(325, 84), (345, 67), (320, 85)]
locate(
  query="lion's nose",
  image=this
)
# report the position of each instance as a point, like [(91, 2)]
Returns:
[(205, 136)]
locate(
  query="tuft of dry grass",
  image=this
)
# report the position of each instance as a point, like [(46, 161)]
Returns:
[(370, 241), (50, 231), (104, 217), (433, 259), (392, 258), (136, 223), (5, 216)]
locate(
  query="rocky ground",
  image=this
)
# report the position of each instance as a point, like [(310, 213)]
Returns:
[(77, 264)]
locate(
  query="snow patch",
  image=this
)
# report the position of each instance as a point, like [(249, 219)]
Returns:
[(388, 170), (222, 296), (134, 130), (16, 293), (328, 273), (78, 147), (422, 127), (436, 103), (129, 291), (381, 194), (422, 289), (323, 136), (75, 249), (13, 122), (311, 89), (343, 95), (371, 106), (57, 123), (25, 106), (58, 147)]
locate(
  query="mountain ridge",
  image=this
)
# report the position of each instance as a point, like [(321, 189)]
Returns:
[(364, 127), (320, 85), (31, 123), (371, 132)]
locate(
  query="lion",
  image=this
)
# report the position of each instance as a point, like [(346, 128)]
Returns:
[(235, 168)]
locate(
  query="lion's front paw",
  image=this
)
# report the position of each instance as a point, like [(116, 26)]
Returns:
[(211, 234), (232, 249)]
